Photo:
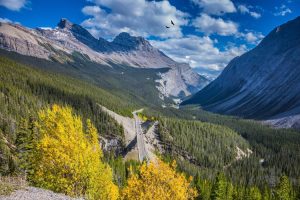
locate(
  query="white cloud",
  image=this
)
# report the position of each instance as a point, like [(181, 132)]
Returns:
[(91, 10), (282, 10), (137, 17), (15, 5), (255, 15), (199, 52), (210, 25), (216, 7), (245, 10), (252, 37), (5, 20)]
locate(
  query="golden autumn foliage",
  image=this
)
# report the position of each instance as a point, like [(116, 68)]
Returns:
[(158, 181), (68, 156)]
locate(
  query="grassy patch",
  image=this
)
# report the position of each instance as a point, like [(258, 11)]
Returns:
[(7, 189), (10, 184)]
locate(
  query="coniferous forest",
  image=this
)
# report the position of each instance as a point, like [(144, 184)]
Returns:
[(149, 100), (204, 145)]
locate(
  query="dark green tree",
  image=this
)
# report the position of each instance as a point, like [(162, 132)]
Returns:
[(284, 189), (25, 141), (203, 187), (266, 195), (229, 191), (253, 193), (219, 188)]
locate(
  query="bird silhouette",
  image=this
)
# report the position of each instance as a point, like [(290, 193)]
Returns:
[(172, 23), (167, 27)]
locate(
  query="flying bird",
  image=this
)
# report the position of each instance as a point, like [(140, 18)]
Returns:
[(172, 23), (167, 27)]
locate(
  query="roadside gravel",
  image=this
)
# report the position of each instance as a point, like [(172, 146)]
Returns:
[(32, 193)]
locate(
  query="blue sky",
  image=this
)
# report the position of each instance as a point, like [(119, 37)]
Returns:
[(207, 33)]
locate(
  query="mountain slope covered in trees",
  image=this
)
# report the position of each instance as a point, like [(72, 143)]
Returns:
[(229, 157), (274, 151), (198, 147), (24, 91)]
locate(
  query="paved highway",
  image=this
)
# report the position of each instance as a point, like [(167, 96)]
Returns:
[(143, 155)]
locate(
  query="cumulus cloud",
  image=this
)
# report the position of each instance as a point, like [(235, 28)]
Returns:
[(216, 7), (199, 52), (252, 37), (107, 18), (14, 5), (91, 10), (282, 10), (137, 17), (210, 25), (246, 10)]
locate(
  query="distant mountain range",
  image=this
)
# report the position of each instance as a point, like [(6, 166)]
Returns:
[(61, 43), (264, 83)]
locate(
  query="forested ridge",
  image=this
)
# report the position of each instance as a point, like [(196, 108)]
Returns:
[(204, 145), (119, 80), (213, 146), (275, 152), (24, 91)]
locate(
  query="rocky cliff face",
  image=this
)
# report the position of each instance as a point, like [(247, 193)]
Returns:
[(60, 43), (18, 39), (263, 83)]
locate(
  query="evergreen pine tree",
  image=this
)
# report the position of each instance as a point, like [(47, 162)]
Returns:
[(298, 192), (229, 191), (266, 194), (235, 194), (26, 138), (254, 194), (203, 188), (284, 189), (219, 188)]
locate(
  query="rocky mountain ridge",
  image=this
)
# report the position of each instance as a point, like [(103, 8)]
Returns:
[(263, 84), (60, 43)]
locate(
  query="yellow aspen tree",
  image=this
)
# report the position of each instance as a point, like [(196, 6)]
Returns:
[(68, 158), (158, 181)]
